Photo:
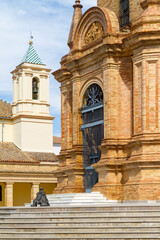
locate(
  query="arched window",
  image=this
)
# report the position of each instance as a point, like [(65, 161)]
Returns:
[(92, 130), (124, 13), (0, 193), (93, 95), (35, 89)]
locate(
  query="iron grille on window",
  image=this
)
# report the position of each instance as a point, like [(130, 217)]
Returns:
[(92, 131), (124, 13), (92, 139), (92, 96), (92, 128)]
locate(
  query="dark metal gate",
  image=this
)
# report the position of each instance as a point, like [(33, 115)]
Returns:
[(92, 130)]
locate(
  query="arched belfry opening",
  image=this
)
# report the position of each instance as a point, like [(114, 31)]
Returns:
[(92, 131), (35, 89)]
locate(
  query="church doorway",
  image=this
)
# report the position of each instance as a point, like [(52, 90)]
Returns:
[(92, 131)]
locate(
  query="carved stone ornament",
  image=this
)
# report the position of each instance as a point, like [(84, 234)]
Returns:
[(95, 32)]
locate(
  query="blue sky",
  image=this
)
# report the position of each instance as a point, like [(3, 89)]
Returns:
[(49, 21)]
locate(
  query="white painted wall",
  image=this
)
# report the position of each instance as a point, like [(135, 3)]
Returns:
[(33, 135), (7, 130)]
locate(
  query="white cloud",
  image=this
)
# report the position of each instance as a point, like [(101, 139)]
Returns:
[(22, 12)]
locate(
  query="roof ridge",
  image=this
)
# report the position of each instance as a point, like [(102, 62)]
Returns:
[(25, 153), (5, 101)]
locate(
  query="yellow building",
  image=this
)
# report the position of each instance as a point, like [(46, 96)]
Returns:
[(110, 96), (27, 160)]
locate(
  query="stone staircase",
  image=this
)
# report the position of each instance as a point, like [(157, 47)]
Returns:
[(77, 199), (121, 221)]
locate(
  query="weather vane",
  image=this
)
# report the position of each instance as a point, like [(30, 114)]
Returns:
[(31, 38)]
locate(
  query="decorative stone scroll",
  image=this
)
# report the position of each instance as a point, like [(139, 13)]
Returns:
[(94, 32)]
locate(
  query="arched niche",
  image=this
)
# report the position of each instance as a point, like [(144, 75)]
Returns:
[(92, 96), (101, 20), (86, 85), (35, 88)]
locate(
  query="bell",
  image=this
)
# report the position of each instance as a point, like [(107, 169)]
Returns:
[(35, 89)]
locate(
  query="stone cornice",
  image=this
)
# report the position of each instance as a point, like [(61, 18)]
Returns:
[(31, 102), (141, 164), (62, 74), (33, 117), (91, 58), (38, 68), (141, 39)]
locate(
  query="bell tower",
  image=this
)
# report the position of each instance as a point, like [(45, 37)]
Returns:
[(33, 125)]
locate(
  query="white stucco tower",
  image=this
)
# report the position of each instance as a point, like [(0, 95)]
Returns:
[(32, 123)]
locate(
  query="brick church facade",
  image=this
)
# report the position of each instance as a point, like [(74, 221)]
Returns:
[(110, 98)]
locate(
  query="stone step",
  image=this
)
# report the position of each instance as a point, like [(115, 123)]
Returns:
[(77, 200), (84, 229), (73, 224), (77, 238), (65, 205), (89, 195), (80, 200), (78, 219), (108, 207), (56, 200), (81, 214), (65, 235), (59, 204), (76, 197), (76, 223), (76, 194), (41, 210)]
